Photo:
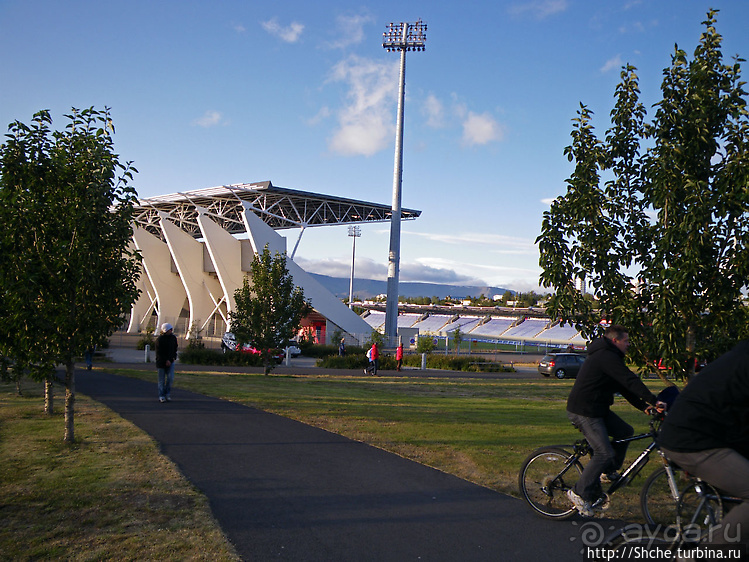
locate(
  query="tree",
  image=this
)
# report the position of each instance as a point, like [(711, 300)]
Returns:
[(664, 242), (457, 340), (68, 275), (425, 344), (270, 310)]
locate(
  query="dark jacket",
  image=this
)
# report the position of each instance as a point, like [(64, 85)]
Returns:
[(166, 350), (602, 375), (712, 412)]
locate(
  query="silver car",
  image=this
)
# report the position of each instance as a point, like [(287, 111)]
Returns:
[(561, 365)]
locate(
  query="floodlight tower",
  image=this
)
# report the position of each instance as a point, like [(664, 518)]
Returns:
[(354, 232), (399, 37)]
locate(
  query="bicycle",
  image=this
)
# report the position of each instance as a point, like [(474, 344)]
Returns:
[(549, 472), (699, 508)]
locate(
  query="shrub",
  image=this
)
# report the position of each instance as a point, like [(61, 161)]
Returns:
[(354, 361), (196, 355), (453, 363)]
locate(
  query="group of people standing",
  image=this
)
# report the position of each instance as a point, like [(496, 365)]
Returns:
[(373, 355)]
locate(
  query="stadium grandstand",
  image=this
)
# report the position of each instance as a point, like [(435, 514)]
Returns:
[(521, 328)]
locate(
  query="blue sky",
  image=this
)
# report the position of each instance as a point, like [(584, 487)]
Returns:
[(301, 93)]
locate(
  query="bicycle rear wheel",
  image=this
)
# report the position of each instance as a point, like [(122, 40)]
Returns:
[(544, 479), (657, 502), (700, 508)]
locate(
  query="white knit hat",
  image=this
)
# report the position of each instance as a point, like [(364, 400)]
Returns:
[(165, 327)]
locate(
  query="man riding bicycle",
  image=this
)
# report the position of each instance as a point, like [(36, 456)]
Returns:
[(707, 433), (588, 407)]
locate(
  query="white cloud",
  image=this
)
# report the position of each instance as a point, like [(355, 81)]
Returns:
[(434, 112), (320, 116), (499, 243), (540, 9), (289, 34), (480, 129), (238, 27), (210, 119), (365, 122), (612, 63), (350, 30), (367, 268)]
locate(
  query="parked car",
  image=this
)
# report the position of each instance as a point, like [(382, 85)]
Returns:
[(229, 342), (294, 351), (561, 365)]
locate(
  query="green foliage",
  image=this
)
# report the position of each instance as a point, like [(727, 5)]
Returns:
[(425, 344), (375, 337), (269, 312), (453, 363), (147, 340), (387, 362), (69, 274), (457, 339), (199, 355), (328, 350), (664, 240)]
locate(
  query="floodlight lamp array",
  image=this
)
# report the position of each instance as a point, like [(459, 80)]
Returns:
[(405, 37)]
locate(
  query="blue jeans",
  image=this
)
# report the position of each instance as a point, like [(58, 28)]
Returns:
[(606, 458), (166, 378)]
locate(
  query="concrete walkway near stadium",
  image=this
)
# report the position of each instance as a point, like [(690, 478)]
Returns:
[(281, 489)]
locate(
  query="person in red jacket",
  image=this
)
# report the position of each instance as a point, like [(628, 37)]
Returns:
[(399, 356), (375, 358)]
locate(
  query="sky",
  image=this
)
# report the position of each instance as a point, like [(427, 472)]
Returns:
[(302, 94)]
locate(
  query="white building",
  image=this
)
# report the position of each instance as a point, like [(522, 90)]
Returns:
[(197, 247)]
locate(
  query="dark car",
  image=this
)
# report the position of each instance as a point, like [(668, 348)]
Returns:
[(561, 365)]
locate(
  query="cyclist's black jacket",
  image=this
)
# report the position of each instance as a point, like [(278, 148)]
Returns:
[(602, 375), (712, 412)]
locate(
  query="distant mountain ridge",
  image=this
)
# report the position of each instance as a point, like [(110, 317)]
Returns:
[(370, 288)]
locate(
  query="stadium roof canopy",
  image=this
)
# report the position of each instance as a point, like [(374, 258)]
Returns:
[(279, 207)]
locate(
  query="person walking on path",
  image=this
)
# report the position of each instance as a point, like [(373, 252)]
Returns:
[(375, 359), (399, 356), (166, 355), (342, 347), (588, 407)]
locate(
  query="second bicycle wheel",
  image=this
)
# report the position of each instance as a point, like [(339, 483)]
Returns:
[(700, 508), (544, 479), (657, 502)]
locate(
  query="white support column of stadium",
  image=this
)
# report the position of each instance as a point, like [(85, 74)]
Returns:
[(320, 298), (142, 308), (158, 265), (226, 255), (199, 285)]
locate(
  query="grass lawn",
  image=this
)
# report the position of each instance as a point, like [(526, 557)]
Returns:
[(111, 496), (114, 496)]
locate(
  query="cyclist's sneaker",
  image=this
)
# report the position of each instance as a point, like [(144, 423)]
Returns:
[(584, 508), (610, 477), (602, 503)]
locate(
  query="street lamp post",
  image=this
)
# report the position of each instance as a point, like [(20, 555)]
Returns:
[(354, 232), (399, 37)]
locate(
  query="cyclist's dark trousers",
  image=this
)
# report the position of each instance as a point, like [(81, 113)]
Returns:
[(728, 471), (606, 458)]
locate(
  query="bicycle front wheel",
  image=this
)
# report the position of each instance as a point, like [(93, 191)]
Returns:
[(657, 502), (544, 479)]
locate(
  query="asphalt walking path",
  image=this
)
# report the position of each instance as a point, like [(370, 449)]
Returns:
[(284, 490)]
